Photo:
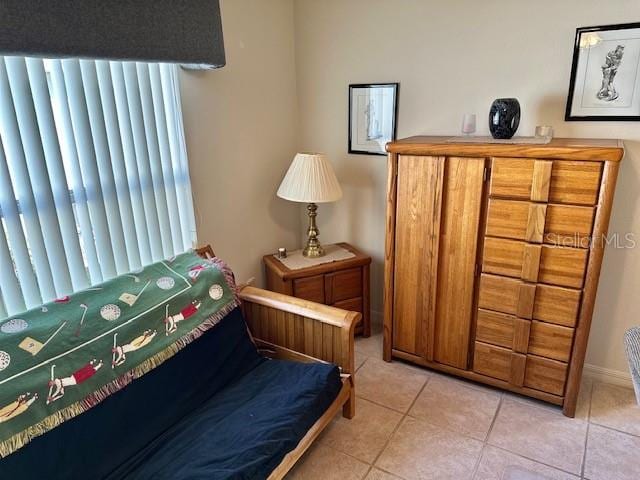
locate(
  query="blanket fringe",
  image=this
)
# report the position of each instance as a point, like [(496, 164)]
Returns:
[(228, 275), (19, 440)]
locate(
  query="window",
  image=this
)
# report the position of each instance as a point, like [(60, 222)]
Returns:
[(94, 179)]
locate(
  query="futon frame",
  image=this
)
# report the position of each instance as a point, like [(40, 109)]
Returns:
[(289, 328)]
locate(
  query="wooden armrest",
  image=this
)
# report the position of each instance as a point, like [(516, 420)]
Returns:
[(306, 327)]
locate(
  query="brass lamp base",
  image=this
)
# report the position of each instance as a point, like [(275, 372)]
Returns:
[(313, 248)]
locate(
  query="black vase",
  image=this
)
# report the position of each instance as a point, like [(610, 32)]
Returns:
[(504, 117)]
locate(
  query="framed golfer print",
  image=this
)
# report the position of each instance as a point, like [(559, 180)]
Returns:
[(373, 109), (605, 75)]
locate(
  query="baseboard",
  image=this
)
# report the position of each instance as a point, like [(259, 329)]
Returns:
[(606, 375)]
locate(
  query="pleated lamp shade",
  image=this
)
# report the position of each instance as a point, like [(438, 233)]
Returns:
[(310, 179)]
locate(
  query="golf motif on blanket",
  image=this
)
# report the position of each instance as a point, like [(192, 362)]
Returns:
[(52, 357)]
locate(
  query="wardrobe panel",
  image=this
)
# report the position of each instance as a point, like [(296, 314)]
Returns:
[(461, 204), (418, 210)]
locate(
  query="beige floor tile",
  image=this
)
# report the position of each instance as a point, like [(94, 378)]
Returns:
[(376, 474), (366, 434), (615, 407), (582, 406), (496, 461), (419, 450), (612, 455), (457, 405), (324, 463), (359, 359), (532, 402), (370, 347), (540, 434), (393, 385)]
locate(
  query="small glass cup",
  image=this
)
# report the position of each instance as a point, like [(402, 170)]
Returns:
[(469, 123), (544, 131)]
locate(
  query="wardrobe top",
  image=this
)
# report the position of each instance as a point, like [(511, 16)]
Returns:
[(599, 150)]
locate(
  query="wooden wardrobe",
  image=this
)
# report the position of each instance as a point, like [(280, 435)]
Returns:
[(492, 258)]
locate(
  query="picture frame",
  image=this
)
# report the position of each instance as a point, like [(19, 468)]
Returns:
[(373, 112), (605, 74)]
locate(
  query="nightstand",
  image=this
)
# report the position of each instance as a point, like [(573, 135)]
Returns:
[(341, 283)]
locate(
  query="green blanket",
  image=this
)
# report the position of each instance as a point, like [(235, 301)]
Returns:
[(65, 357)]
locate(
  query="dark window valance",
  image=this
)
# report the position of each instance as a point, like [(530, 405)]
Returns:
[(177, 31)]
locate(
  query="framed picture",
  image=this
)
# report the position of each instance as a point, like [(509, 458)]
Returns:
[(373, 111), (605, 76)]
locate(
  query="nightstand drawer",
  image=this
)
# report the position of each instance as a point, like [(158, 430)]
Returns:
[(310, 288), (352, 304), (343, 285)]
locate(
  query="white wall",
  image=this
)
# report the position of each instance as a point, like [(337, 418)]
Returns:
[(452, 58), (240, 127)]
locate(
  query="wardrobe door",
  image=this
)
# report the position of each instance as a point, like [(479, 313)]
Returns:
[(461, 202), (418, 209)]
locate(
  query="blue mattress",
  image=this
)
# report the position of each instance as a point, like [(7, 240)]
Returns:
[(244, 431), (216, 410)]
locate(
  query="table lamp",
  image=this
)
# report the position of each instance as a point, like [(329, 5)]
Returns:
[(310, 179)]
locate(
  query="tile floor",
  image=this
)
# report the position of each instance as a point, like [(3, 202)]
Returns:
[(411, 424)]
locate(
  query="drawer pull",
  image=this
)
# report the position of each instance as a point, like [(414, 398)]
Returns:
[(521, 330), (531, 262), (526, 300), (541, 180), (535, 223), (518, 365)]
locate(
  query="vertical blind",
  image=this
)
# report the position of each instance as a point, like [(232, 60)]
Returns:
[(94, 178)]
